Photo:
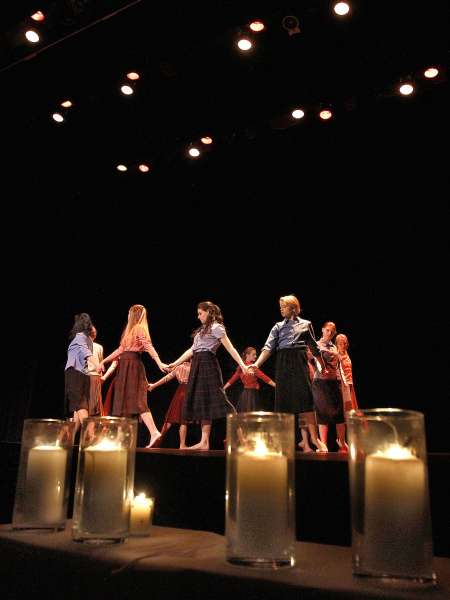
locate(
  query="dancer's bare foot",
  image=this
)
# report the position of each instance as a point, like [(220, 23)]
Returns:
[(199, 446), (343, 447), (183, 447), (306, 448), (154, 439), (321, 447)]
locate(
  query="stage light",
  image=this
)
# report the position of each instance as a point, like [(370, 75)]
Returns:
[(66, 104), (406, 89), (256, 26), (431, 72), (143, 168), (194, 152), (122, 168), (341, 8), (244, 44), (32, 36), (127, 90), (291, 24), (325, 114), (206, 140), (58, 117), (298, 113), (38, 16), (133, 76)]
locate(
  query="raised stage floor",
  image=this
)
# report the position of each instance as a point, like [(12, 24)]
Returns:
[(189, 490)]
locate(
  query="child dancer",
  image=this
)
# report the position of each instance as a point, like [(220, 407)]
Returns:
[(248, 400), (174, 412)]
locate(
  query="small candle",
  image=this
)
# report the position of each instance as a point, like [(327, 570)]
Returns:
[(395, 526), (141, 515), (262, 524), (44, 485), (103, 506)]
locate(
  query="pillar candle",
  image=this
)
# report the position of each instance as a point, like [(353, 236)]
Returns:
[(394, 511), (104, 505), (141, 515), (262, 502), (44, 485)]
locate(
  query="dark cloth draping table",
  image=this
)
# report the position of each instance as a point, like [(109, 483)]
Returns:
[(182, 563)]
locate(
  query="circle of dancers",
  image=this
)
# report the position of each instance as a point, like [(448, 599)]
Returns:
[(313, 378)]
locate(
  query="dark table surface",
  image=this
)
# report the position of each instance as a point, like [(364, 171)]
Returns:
[(182, 563)]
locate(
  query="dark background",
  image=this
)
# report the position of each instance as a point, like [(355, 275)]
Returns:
[(348, 215)]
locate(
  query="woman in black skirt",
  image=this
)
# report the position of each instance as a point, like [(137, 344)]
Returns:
[(290, 338), (205, 399), (76, 378)]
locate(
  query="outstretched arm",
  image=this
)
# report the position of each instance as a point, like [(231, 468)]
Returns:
[(234, 353), (183, 358), (233, 378), (111, 369), (261, 359), (162, 381)]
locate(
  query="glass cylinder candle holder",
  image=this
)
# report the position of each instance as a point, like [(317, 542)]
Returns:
[(105, 479), (42, 489), (260, 490), (141, 515), (391, 524)]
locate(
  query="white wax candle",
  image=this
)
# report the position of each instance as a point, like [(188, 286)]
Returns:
[(262, 527), (395, 524), (44, 485), (104, 505), (141, 515)]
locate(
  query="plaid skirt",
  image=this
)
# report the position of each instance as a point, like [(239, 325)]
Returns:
[(248, 400), (293, 391), (328, 401), (205, 399), (76, 390), (129, 392)]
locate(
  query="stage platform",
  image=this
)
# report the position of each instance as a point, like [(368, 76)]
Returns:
[(189, 488)]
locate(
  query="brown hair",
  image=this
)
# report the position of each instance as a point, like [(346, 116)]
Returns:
[(214, 316), (247, 351)]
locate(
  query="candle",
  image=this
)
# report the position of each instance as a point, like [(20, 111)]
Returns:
[(395, 523), (45, 485), (141, 515), (103, 504), (262, 526)]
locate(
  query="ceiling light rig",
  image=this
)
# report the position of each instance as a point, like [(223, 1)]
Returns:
[(342, 9), (291, 24)]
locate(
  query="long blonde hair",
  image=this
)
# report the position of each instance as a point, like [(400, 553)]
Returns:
[(137, 323)]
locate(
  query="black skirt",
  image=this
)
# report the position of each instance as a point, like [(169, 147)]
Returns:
[(205, 399), (293, 391), (248, 400), (76, 390), (328, 401)]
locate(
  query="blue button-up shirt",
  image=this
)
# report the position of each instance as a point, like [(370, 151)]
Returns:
[(80, 349), (292, 333)]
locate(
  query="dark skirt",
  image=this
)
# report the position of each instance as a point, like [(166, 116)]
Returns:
[(129, 392), (293, 391), (174, 412), (76, 390), (95, 396), (205, 399), (248, 400), (328, 401)]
